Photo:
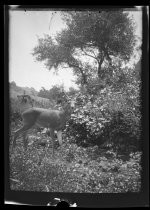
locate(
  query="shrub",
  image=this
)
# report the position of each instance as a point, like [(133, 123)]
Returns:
[(104, 118)]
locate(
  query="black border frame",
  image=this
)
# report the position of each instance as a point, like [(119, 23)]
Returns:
[(81, 199)]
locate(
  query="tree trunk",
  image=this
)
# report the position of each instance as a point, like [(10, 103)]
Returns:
[(99, 68), (84, 79), (101, 57)]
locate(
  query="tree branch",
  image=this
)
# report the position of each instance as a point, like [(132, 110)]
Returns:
[(94, 54), (84, 77), (89, 54), (107, 55)]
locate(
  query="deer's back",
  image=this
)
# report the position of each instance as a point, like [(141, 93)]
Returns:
[(44, 117)]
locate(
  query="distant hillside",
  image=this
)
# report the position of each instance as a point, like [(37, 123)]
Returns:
[(16, 90), (21, 90)]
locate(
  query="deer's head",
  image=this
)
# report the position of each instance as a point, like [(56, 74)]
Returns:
[(67, 103)]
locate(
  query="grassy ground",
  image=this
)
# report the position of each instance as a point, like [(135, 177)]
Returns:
[(73, 169)]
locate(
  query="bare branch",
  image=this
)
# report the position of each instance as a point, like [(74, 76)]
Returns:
[(89, 54), (81, 71)]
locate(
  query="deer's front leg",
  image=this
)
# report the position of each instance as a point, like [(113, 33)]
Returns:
[(59, 137), (52, 136)]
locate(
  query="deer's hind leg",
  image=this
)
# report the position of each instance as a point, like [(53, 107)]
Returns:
[(25, 140)]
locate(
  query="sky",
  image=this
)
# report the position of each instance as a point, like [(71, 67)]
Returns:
[(24, 29)]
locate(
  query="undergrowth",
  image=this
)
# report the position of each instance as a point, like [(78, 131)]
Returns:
[(73, 169)]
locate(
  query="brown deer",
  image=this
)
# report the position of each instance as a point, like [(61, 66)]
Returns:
[(52, 119)]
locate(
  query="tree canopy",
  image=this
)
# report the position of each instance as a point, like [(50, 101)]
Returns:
[(91, 41)]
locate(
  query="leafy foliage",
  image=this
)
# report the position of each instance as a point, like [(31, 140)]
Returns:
[(52, 94), (108, 115), (75, 169), (91, 39)]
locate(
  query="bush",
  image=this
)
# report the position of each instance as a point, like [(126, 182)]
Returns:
[(104, 118)]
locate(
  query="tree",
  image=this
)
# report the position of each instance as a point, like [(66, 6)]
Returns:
[(13, 84), (43, 93), (54, 94), (91, 41)]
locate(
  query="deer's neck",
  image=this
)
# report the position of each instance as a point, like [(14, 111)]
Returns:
[(65, 114)]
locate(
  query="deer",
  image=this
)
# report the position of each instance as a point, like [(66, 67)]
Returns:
[(52, 119)]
